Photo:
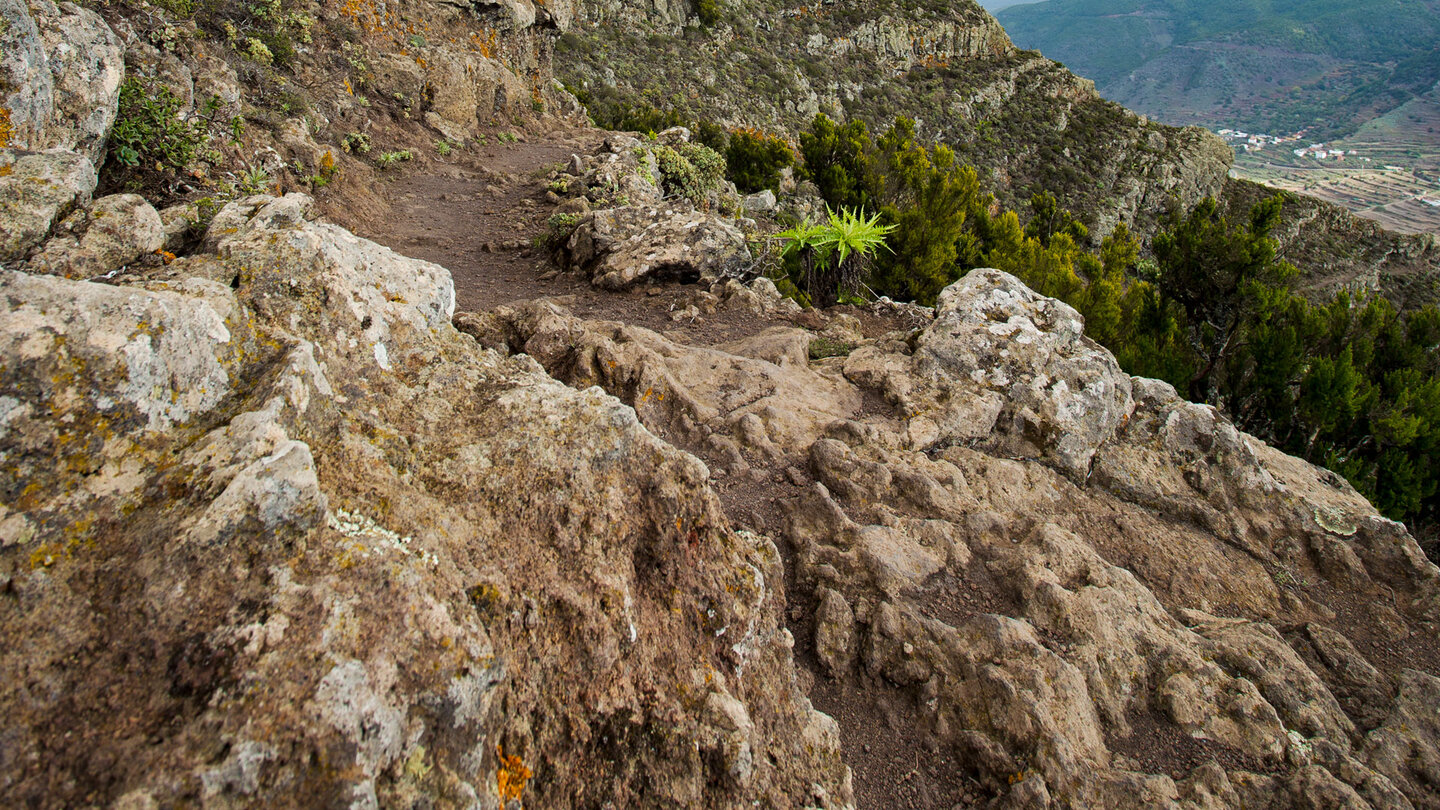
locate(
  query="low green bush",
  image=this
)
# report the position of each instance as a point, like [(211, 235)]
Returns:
[(151, 141), (753, 160), (690, 170)]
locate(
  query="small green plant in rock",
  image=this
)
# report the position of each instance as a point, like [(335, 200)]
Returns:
[(254, 180), (822, 347), (557, 231), (356, 143), (389, 159), (150, 134), (834, 255), (257, 51), (443, 148), (237, 128)]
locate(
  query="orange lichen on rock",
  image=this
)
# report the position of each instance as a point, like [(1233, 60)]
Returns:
[(510, 775), (7, 130)]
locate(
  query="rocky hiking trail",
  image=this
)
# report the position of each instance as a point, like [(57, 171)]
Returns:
[(281, 525), (479, 217), (530, 542)]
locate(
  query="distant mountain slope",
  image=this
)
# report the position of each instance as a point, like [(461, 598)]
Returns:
[(1025, 122), (1275, 65)]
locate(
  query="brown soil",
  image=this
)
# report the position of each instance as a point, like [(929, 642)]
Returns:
[(1158, 745)]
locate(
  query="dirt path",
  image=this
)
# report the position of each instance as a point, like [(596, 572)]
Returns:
[(478, 214)]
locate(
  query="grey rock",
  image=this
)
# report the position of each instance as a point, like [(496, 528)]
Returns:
[(619, 246), (60, 73), (759, 202), (834, 632), (36, 191), (110, 234), (1011, 369)]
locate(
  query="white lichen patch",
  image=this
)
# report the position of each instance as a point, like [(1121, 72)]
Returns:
[(374, 540), (1335, 520)]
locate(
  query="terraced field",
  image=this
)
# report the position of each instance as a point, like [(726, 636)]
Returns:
[(1393, 177)]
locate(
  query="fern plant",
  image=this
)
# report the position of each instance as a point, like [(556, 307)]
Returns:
[(836, 253)]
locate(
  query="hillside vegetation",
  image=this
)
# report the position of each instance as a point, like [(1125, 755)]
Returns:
[(1344, 381), (1322, 65)]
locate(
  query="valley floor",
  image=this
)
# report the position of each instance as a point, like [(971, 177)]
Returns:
[(1390, 172)]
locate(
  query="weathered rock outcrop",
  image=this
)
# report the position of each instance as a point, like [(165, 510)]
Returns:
[(1082, 588), (273, 533), (638, 232), (36, 191), (619, 246), (1339, 250), (1005, 369), (108, 235), (60, 73)]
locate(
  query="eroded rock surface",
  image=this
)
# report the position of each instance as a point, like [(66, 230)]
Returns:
[(60, 73), (104, 237), (36, 191), (619, 246), (637, 231), (274, 533), (1085, 590)]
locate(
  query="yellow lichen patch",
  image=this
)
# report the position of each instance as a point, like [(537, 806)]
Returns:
[(510, 775), (415, 766), (46, 555), (7, 130)]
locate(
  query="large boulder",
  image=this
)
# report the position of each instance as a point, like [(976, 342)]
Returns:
[(619, 246), (1008, 369), (60, 74), (108, 235), (36, 191)]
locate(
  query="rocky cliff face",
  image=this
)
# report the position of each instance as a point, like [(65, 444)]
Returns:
[(1023, 120), (1026, 123), (1339, 250), (291, 95)]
